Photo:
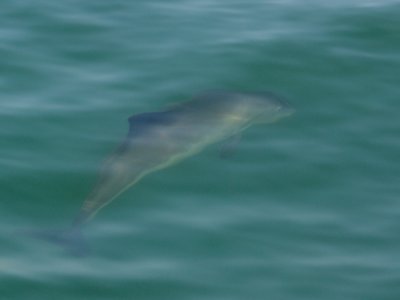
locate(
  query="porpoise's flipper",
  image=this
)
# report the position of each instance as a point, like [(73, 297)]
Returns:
[(228, 148)]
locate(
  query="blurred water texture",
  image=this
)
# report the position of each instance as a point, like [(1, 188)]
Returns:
[(308, 208)]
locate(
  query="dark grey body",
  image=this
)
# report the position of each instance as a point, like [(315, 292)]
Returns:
[(159, 139)]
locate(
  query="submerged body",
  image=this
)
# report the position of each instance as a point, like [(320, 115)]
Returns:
[(159, 139)]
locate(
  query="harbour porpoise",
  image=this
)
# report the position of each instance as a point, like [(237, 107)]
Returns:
[(156, 140)]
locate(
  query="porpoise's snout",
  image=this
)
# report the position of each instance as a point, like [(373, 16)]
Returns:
[(286, 109)]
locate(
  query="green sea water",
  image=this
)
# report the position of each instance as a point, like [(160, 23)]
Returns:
[(307, 208)]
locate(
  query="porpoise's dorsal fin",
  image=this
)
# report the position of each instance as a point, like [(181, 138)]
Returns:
[(140, 122)]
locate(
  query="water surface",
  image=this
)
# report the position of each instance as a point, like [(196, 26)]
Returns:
[(308, 208)]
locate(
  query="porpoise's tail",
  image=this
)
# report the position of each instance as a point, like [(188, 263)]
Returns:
[(70, 239)]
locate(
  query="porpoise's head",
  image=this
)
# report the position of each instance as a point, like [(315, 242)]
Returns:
[(260, 107), (254, 107), (266, 107)]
